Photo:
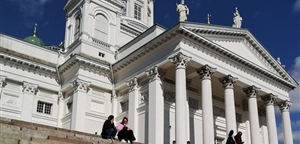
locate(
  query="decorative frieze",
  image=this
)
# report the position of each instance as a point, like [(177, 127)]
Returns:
[(251, 92), (285, 106), (193, 103), (79, 84), (180, 60), (169, 96), (2, 81), (228, 81), (155, 73), (30, 88), (133, 84), (206, 72), (144, 97), (269, 99)]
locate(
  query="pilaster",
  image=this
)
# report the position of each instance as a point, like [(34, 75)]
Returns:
[(228, 84), (133, 104), (180, 63), (206, 73), (155, 106), (79, 104), (247, 122), (29, 92), (286, 121), (251, 93)]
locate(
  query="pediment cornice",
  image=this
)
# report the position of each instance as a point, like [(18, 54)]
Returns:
[(86, 64)]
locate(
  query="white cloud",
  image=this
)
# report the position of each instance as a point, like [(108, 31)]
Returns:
[(295, 94), (296, 6), (296, 132), (31, 8)]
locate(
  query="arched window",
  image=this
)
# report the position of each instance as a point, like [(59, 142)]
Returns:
[(77, 28), (101, 28)]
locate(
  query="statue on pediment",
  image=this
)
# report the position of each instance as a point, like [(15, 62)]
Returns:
[(183, 11), (237, 19)]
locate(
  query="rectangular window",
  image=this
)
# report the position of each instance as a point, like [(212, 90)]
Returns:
[(101, 54), (44, 108), (137, 11)]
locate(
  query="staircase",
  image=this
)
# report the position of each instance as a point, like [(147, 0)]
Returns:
[(20, 132)]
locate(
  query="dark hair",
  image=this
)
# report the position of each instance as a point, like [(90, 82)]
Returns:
[(231, 133), (124, 119), (110, 117)]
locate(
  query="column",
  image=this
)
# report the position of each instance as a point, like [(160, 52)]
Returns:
[(206, 73), (251, 93), (133, 104), (79, 104), (188, 82), (2, 84), (180, 62), (286, 121), (29, 91), (60, 110), (114, 103), (228, 84), (269, 101), (262, 122), (155, 106), (247, 123)]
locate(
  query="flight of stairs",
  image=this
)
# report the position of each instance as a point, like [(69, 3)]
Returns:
[(21, 132)]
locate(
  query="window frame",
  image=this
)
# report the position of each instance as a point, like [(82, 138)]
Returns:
[(138, 12), (44, 108)]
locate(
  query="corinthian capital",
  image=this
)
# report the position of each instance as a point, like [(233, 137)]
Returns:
[(228, 81), (269, 99), (180, 60), (2, 81), (285, 106), (133, 84), (155, 73), (29, 88), (206, 72), (251, 91), (81, 85)]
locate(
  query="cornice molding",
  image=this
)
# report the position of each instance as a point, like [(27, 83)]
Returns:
[(27, 65), (86, 64)]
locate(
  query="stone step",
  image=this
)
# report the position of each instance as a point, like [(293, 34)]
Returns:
[(68, 140), (14, 136), (49, 141), (6, 140)]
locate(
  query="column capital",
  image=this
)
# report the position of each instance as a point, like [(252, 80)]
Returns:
[(155, 73), (269, 99), (285, 106), (245, 105), (228, 81), (180, 60), (79, 84), (2, 81), (262, 111), (30, 88), (251, 92), (206, 72), (133, 84)]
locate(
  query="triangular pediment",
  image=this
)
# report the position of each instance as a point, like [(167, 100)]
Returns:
[(239, 43)]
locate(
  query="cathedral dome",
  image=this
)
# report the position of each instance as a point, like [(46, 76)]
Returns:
[(34, 39)]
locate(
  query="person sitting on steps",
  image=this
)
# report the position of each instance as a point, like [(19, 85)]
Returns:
[(109, 130), (124, 131)]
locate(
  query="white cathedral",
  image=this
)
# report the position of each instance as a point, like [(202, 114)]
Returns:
[(191, 82)]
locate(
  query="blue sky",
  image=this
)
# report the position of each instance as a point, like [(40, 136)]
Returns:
[(276, 24)]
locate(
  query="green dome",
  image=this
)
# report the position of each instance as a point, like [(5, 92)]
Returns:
[(34, 40)]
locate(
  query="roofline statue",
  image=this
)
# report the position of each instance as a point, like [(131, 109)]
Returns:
[(182, 10), (237, 19)]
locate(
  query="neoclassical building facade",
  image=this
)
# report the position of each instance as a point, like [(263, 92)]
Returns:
[(191, 82)]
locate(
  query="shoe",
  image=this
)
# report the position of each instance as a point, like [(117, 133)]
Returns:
[(123, 141)]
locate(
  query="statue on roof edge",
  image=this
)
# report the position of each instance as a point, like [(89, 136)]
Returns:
[(237, 19), (183, 11)]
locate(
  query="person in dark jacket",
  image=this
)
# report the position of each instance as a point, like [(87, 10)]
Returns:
[(238, 138), (230, 138), (124, 131), (109, 130)]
